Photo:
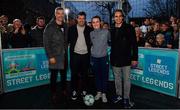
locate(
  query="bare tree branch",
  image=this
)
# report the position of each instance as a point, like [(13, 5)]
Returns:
[(160, 8), (105, 8)]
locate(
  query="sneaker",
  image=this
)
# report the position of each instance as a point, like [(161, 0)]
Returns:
[(98, 96), (54, 97), (104, 99), (117, 99), (128, 103), (83, 94), (74, 95)]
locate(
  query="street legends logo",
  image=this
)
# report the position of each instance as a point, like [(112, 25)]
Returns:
[(156, 71), (159, 71), (159, 68)]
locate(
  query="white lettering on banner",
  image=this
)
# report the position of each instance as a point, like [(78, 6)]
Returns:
[(19, 57), (135, 77), (18, 81), (156, 82), (151, 81), (20, 74), (42, 77), (44, 65), (28, 79), (161, 69)]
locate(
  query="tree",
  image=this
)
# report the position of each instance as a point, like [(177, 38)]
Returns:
[(105, 9), (161, 8)]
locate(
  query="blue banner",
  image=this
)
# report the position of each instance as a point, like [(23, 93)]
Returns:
[(157, 70), (24, 68)]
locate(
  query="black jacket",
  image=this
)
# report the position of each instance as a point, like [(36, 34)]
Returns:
[(36, 37), (124, 47), (54, 39), (19, 40), (55, 43), (73, 35), (5, 40)]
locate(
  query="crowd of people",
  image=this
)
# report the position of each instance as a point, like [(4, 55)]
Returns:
[(158, 34), (19, 35), (152, 32), (88, 44)]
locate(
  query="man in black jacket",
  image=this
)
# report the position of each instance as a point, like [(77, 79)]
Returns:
[(55, 43), (37, 32), (124, 53), (79, 40)]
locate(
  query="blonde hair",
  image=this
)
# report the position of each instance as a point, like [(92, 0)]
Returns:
[(160, 36)]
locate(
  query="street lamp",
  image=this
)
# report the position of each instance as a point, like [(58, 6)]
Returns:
[(66, 11)]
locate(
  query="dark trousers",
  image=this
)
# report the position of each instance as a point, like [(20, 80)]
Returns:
[(79, 71), (100, 69), (53, 79)]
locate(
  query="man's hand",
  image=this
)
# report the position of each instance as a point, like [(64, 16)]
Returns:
[(134, 63), (52, 60), (16, 30)]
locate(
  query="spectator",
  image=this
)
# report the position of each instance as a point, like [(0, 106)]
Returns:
[(106, 25), (145, 28), (18, 38), (10, 27), (152, 21), (139, 37), (89, 24), (71, 22), (3, 23), (133, 23), (4, 31), (160, 41), (37, 33), (151, 36), (175, 36), (173, 20), (168, 35)]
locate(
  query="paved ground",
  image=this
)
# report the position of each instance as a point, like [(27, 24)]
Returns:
[(40, 98)]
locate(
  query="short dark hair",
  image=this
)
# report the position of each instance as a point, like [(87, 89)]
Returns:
[(106, 23), (58, 8), (40, 17), (118, 10), (82, 13), (96, 17)]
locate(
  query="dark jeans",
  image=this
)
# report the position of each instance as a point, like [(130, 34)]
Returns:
[(53, 79), (101, 70), (79, 71)]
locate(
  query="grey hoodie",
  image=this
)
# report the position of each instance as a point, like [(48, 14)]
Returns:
[(99, 39)]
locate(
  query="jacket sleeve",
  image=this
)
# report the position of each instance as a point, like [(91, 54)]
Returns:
[(69, 34), (48, 41), (109, 37), (134, 45)]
